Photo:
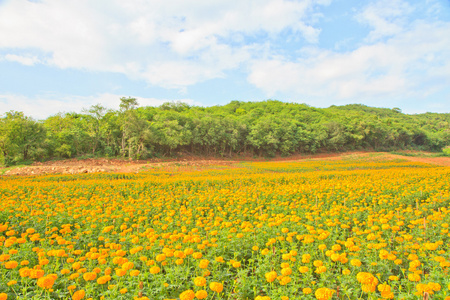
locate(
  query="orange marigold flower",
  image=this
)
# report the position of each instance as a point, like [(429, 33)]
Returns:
[(203, 263), (78, 295), (46, 282), (202, 294), (187, 295), (11, 264), (89, 276)]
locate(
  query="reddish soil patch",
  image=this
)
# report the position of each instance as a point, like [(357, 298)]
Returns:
[(189, 163), (441, 161)]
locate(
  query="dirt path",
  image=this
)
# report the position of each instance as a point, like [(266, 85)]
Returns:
[(75, 166)]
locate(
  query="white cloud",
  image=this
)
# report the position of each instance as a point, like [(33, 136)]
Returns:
[(27, 60), (411, 62), (41, 107), (196, 39), (386, 18)]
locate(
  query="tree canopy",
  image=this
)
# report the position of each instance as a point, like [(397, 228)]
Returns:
[(264, 128)]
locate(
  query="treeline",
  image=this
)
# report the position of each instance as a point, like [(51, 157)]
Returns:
[(257, 128)]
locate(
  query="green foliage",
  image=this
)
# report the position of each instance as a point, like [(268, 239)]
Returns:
[(264, 128), (446, 151)]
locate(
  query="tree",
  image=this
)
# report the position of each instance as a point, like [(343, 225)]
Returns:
[(127, 116), (95, 124), (21, 138)]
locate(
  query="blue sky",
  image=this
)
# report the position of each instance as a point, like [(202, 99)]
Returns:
[(61, 56)]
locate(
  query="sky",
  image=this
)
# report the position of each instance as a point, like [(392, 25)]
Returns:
[(63, 56)]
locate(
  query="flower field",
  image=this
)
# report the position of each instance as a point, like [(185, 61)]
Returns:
[(336, 229)]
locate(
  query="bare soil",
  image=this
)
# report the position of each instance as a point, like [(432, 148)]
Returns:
[(189, 163)]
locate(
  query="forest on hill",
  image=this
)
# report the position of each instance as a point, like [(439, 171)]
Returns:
[(265, 128)]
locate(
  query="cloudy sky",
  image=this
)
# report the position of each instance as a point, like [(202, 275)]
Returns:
[(61, 56)]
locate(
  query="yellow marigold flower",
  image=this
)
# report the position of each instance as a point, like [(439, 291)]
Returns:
[(306, 258), (128, 265), (197, 255), (271, 276), (160, 257), (203, 263), (336, 247), (65, 271), (367, 278), (3, 296), (200, 281), (324, 293), (236, 264), (201, 294), (123, 291), (135, 273), (346, 272), (307, 291), (413, 277), (318, 263), (393, 278), (155, 270), (216, 287), (121, 272), (187, 295), (355, 262), (286, 271), (368, 288), (285, 280), (303, 269)]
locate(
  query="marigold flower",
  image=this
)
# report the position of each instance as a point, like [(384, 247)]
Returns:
[(78, 295), (324, 293), (216, 287), (307, 291), (355, 262), (201, 294), (200, 281), (46, 282), (236, 264), (303, 269), (271, 276), (89, 276), (3, 296), (413, 277), (187, 295), (12, 264), (203, 263), (11, 282)]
